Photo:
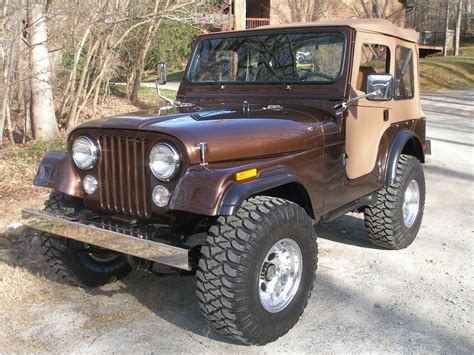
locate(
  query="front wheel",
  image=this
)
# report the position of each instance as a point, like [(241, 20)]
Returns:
[(394, 220), (257, 270), (76, 262)]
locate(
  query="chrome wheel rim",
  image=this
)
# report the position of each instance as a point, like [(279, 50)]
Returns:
[(101, 257), (280, 275), (411, 203)]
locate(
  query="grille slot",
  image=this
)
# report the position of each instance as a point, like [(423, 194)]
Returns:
[(123, 177)]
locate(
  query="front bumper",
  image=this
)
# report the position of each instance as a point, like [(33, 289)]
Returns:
[(119, 239)]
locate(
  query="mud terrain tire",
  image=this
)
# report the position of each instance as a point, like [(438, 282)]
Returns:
[(385, 221), (229, 278), (70, 260)]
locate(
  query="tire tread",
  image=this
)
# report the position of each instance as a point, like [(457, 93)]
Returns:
[(230, 244), (383, 227)]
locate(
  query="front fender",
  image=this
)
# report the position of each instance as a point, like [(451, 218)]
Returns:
[(238, 193), (57, 172), (214, 191)]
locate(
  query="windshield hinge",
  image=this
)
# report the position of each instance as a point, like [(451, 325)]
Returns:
[(202, 147)]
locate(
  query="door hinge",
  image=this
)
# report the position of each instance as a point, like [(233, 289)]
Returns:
[(344, 159)]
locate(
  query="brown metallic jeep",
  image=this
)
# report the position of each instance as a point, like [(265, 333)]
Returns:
[(273, 129)]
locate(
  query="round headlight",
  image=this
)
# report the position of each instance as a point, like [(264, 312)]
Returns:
[(161, 196), (84, 153), (90, 184), (164, 161)]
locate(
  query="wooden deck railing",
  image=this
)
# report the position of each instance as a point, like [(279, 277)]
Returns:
[(256, 22)]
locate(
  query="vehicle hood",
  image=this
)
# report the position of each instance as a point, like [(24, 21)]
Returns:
[(230, 133)]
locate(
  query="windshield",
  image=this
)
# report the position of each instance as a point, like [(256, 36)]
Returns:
[(283, 58)]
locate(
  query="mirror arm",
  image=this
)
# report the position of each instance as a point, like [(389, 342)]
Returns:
[(342, 107), (168, 100), (173, 103)]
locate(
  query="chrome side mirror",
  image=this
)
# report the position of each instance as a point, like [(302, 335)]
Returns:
[(161, 71), (161, 80), (379, 87)]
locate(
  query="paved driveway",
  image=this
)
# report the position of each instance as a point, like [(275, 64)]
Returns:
[(365, 299)]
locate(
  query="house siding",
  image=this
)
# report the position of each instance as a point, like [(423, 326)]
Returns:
[(284, 11)]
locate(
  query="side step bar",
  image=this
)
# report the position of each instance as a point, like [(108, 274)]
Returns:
[(94, 234)]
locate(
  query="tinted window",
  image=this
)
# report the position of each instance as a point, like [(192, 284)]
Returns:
[(404, 82), (375, 58), (289, 58)]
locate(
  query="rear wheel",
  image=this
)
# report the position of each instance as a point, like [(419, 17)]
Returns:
[(394, 220), (77, 262), (257, 270)]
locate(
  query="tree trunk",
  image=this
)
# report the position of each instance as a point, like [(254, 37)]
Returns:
[(446, 30), (71, 122), (71, 84), (139, 67), (10, 61), (44, 118), (467, 16), (140, 61), (457, 38), (3, 67)]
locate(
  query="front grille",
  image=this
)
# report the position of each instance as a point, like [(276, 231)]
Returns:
[(123, 177)]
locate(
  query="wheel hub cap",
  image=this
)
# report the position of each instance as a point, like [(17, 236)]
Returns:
[(280, 275), (411, 203), (270, 273)]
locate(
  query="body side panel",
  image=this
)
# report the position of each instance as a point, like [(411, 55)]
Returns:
[(365, 119)]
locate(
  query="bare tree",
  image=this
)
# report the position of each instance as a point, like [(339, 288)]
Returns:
[(139, 66), (3, 67), (467, 16), (457, 37), (390, 10), (11, 29), (44, 118), (446, 30), (70, 50)]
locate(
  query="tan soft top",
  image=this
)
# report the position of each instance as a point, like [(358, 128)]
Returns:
[(371, 25)]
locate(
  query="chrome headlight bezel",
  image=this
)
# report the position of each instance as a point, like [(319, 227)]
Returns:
[(173, 155), (93, 156)]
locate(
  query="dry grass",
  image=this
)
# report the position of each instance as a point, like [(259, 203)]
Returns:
[(19, 163), (18, 166), (448, 73)]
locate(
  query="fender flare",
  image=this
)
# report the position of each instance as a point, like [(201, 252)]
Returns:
[(398, 144), (236, 194), (57, 172)]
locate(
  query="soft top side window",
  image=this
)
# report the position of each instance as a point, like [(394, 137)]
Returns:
[(404, 77), (375, 58)]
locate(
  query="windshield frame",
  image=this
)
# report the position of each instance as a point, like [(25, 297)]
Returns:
[(267, 32)]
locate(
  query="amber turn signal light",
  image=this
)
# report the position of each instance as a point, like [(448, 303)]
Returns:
[(246, 174)]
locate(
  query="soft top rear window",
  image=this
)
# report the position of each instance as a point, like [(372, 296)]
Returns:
[(315, 57)]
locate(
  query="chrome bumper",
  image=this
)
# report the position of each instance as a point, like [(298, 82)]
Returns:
[(96, 234)]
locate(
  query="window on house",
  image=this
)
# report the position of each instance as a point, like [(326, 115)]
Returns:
[(404, 80), (375, 58)]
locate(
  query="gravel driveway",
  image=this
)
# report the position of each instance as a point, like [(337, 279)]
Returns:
[(365, 299)]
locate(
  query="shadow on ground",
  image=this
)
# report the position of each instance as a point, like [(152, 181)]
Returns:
[(172, 297), (348, 229)]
